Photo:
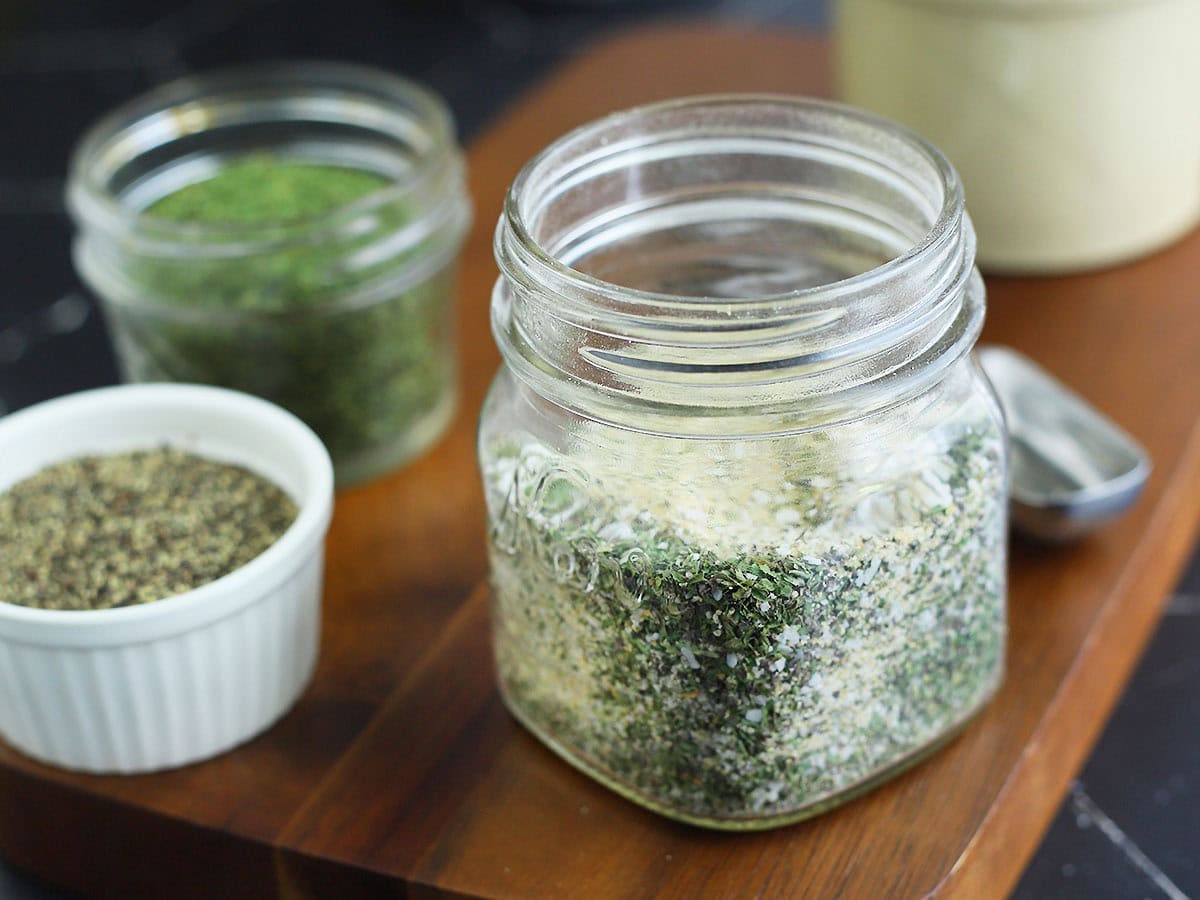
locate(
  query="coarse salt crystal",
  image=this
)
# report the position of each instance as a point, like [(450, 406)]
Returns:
[(788, 516), (616, 531), (789, 637)]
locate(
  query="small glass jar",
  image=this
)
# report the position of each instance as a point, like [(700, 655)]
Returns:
[(745, 483), (1073, 123), (343, 315)]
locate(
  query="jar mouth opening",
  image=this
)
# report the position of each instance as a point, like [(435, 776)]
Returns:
[(391, 109), (720, 256), (515, 221)]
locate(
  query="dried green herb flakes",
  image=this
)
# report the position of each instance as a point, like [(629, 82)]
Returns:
[(313, 325), (735, 684)]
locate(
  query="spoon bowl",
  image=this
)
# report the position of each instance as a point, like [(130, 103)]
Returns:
[(1073, 469)]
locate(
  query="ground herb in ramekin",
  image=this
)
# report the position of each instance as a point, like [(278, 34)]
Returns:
[(99, 532)]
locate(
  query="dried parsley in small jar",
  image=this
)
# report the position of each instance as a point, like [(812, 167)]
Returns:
[(745, 482), (288, 231)]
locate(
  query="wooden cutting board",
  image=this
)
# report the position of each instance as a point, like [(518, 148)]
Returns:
[(400, 774)]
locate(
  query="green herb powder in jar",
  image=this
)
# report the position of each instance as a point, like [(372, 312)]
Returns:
[(261, 188), (99, 532), (321, 316)]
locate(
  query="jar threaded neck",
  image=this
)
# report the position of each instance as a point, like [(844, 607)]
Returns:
[(831, 251)]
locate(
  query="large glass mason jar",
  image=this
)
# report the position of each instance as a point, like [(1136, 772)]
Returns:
[(288, 230), (746, 484)]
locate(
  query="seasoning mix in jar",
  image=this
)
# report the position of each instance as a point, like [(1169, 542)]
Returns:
[(745, 483), (289, 231), (1072, 122)]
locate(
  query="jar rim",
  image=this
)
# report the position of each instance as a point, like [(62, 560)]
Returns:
[(829, 349), (949, 214), (187, 105)]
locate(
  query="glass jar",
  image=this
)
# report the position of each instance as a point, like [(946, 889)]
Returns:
[(1073, 123), (341, 313), (745, 483)]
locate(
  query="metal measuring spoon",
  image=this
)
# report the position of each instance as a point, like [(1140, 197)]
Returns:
[(1073, 469)]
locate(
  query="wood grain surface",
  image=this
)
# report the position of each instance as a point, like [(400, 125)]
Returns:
[(400, 774)]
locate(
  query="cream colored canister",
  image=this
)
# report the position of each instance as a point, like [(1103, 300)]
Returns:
[(1075, 124)]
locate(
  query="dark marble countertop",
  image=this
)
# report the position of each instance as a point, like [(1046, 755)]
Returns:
[(1130, 825)]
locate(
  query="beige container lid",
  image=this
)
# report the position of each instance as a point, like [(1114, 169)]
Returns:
[(1030, 8)]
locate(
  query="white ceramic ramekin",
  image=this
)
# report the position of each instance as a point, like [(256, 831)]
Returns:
[(175, 681)]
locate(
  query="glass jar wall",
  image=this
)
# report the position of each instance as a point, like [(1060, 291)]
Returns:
[(746, 486), (290, 231)]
